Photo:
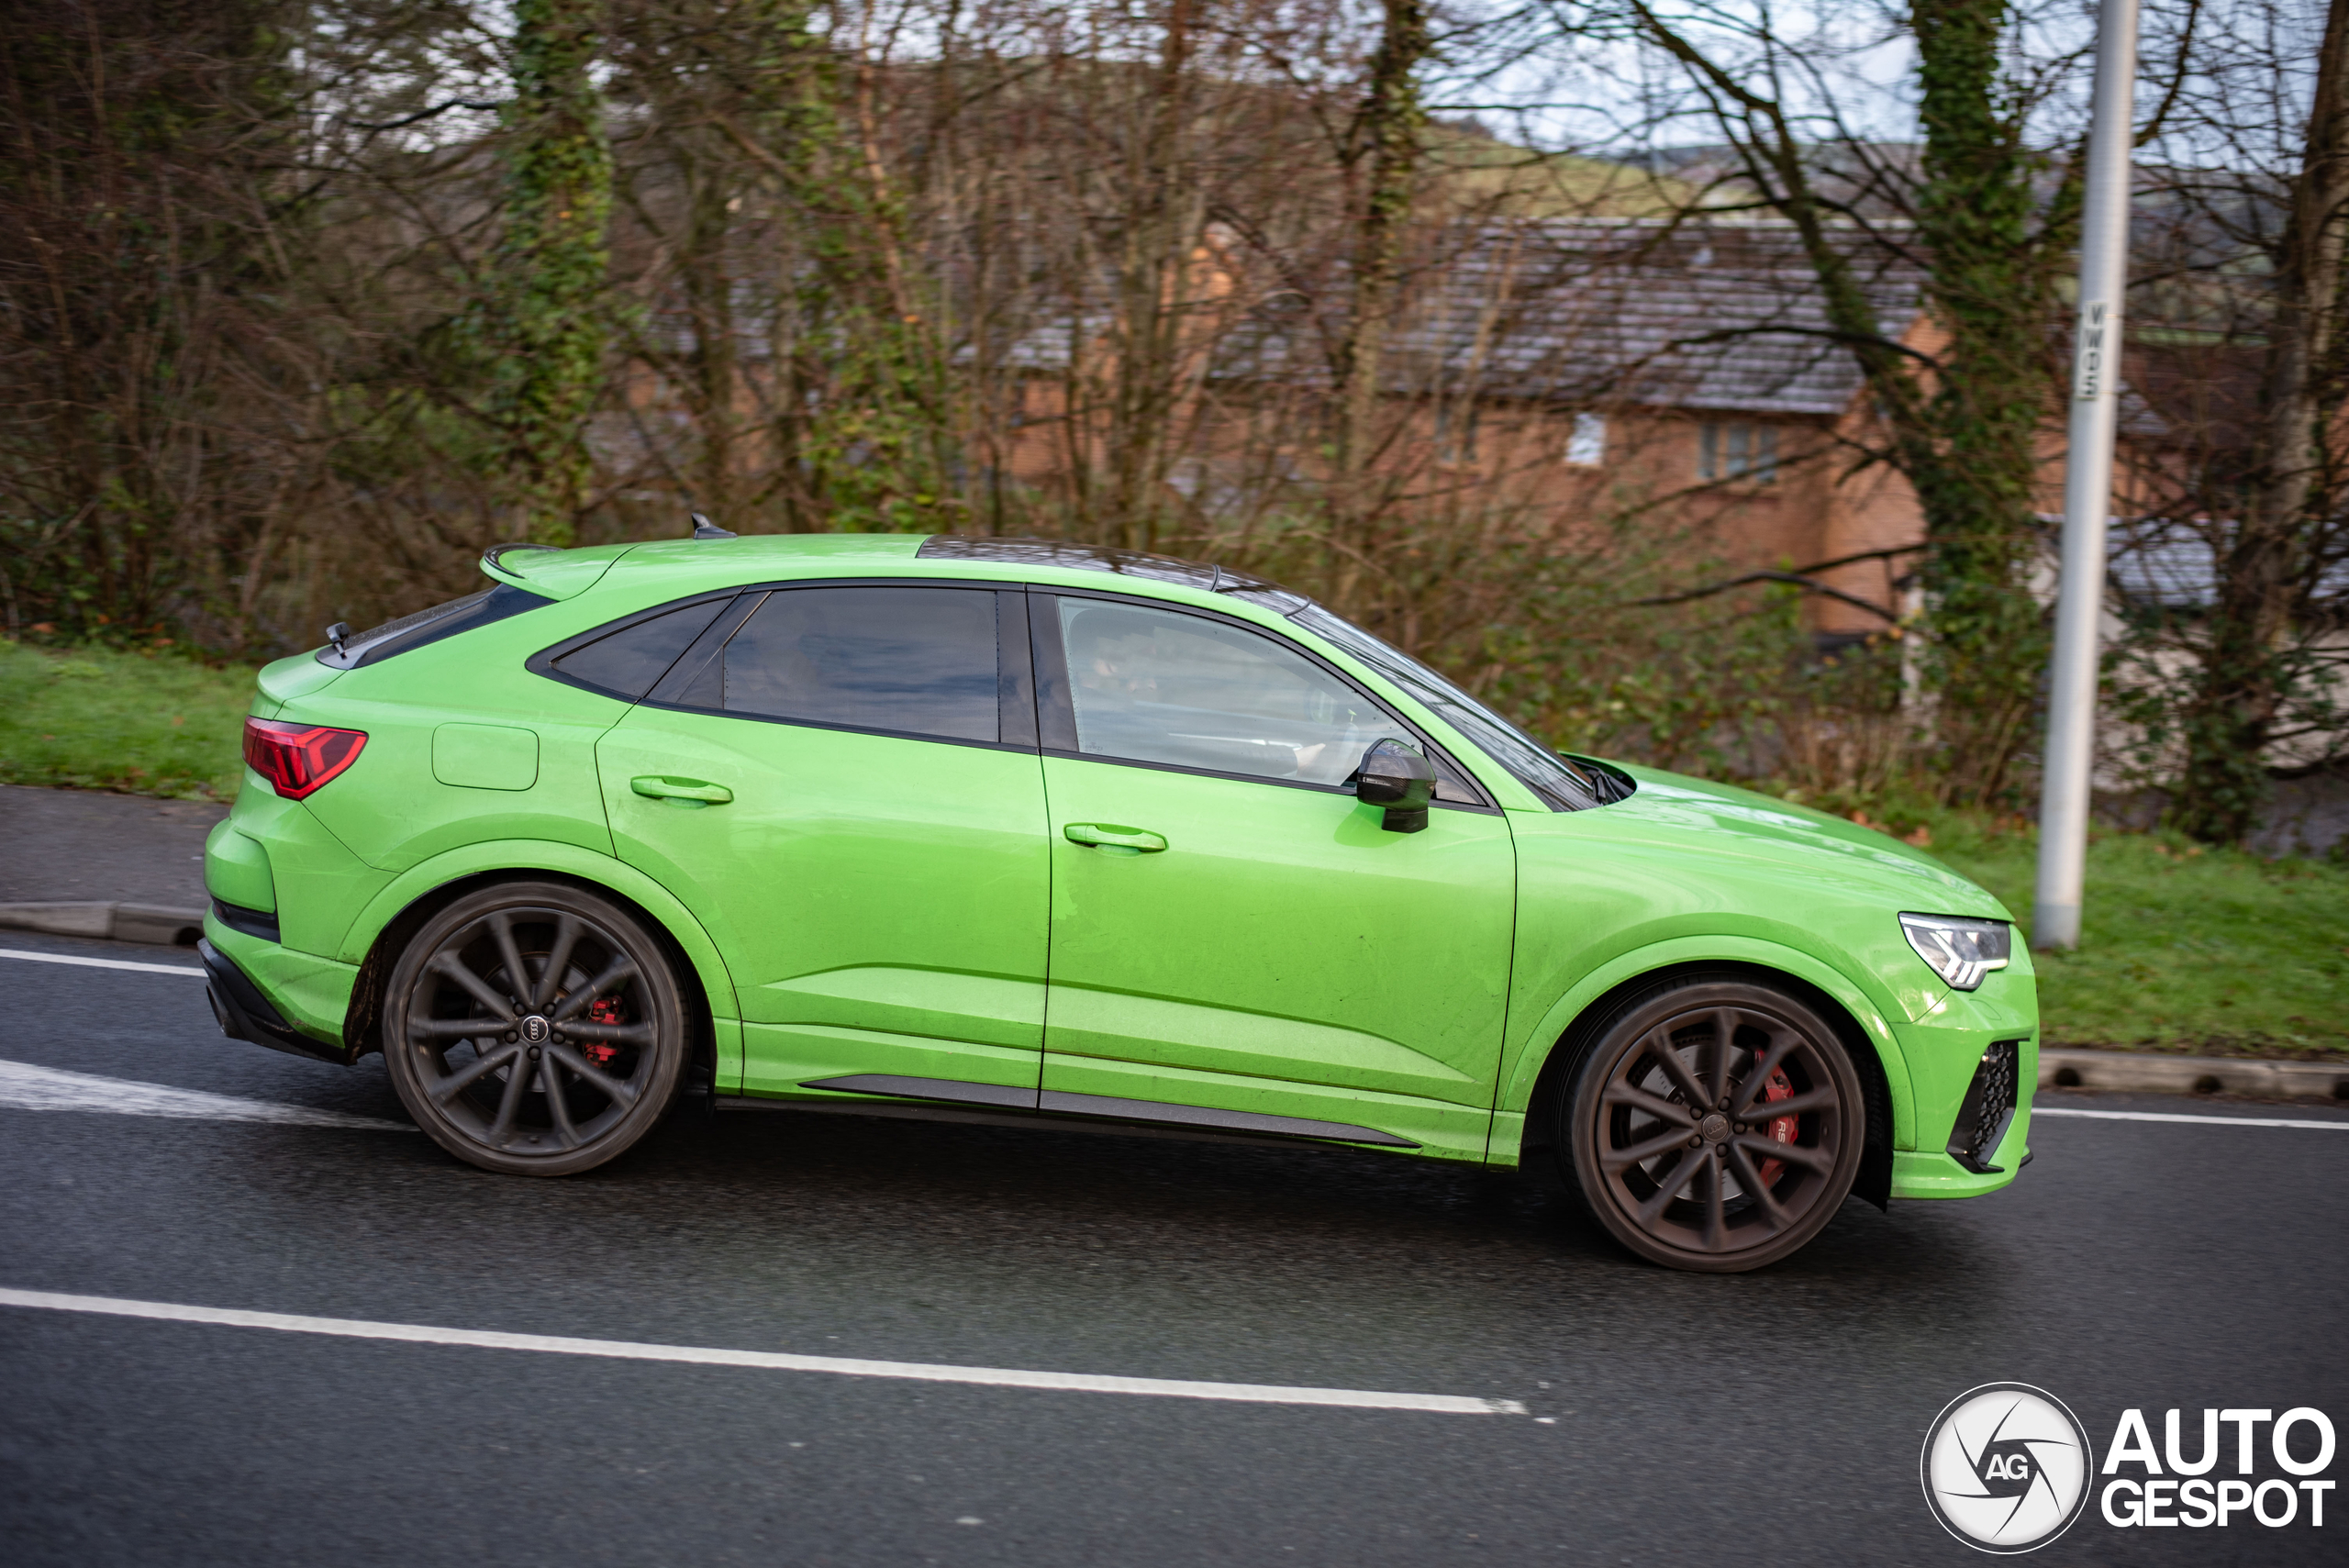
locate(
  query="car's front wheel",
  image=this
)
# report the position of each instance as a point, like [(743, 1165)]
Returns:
[(535, 1028), (1714, 1124)]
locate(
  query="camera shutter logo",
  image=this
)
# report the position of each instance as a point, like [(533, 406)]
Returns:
[(2006, 1467)]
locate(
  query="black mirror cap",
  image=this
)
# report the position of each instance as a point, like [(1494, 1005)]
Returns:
[(1395, 777)]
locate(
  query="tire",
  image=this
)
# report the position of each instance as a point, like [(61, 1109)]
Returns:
[(1662, 1138), (596, 1012)]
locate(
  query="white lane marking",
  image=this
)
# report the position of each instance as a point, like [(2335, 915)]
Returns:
[(100, 963), (624, 1350), (26, 1087), (2037, 1111)]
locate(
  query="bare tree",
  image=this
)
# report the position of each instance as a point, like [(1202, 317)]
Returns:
[(1985, 203), (2244, 357), (151, 337)]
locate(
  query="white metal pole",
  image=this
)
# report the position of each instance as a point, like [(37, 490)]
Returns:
[(2070, 761)]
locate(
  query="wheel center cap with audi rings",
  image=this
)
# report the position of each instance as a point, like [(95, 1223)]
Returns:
[(1714, 1128), (535, 1030)]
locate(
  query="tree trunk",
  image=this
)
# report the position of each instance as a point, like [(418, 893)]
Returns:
[(548, 326), (1386, 149), (1991, 291), (1161, 229)]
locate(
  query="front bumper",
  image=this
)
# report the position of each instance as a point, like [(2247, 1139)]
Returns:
[(1917, 1175), (1969, 1152), (1955, 1075)]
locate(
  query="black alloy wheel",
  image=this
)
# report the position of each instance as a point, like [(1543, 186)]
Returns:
[(1715, 1125), (535, 1028)]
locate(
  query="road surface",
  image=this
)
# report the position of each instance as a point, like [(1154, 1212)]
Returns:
[(1666, 1418)]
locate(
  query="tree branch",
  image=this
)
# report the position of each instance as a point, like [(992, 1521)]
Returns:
[(421, 114), (1800, 579)]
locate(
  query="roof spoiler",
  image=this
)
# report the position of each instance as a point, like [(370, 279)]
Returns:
[(546, 570)]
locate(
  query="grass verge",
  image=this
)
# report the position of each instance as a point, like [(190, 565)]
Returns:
[(135, 723), (2213, 952)]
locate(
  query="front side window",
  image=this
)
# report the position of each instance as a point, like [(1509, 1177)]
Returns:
[(910, 660), (1151, 686), (1562, 785)]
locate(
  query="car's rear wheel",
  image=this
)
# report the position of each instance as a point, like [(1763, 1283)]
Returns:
[(1714, 1124), (535, 1028)]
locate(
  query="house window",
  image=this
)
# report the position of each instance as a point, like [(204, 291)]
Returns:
[(1455, 431), (1586, 443), (1735, 449)]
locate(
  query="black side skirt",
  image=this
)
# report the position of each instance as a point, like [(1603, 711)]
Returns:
[(1092, 1107)]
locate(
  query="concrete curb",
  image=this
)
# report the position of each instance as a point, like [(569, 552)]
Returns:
[(2148, 1073), (107, 921)]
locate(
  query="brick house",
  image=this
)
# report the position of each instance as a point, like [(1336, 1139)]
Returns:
[(1678, 376)]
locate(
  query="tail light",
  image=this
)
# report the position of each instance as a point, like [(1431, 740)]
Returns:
[(296, 759)]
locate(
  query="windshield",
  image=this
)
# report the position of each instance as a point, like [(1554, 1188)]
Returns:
[(1561, 784)]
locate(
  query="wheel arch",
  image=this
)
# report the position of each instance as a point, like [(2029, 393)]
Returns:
[(1569, 1027), (384, 927)]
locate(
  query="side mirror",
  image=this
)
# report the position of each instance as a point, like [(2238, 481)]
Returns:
[(1395, 777)]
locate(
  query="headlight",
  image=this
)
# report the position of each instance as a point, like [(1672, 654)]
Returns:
[(1961, 951)]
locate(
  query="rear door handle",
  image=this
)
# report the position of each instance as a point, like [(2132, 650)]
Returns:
[(1110, 836), (687, 792)]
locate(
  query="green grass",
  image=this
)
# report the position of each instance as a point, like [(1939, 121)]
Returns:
[(137, 723), (2211, 951)]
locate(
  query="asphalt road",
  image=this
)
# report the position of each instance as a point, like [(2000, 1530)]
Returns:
[(1769, 1419)]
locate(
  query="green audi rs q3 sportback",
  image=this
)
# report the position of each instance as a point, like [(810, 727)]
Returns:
[(1011, 830)]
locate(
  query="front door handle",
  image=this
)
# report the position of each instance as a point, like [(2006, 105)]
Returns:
[(690, 794), (1110, 836)]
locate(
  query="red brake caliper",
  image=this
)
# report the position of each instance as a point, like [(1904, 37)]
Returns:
[(1782, 1127), (602, 1010)]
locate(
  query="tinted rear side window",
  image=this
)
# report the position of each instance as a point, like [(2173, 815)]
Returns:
[(627, 662), (911, 661)]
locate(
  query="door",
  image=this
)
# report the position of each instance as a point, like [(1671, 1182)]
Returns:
[(1232, 929), (841, 781)]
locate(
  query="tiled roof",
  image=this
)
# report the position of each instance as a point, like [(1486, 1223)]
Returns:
[(1703, 315), (1713, 316), (2153, 562)]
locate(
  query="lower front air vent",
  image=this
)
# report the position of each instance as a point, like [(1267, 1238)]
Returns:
[(1990, 1106)]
